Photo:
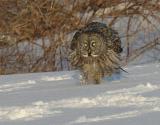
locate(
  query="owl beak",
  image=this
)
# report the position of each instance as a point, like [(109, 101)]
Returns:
[(89, 52)]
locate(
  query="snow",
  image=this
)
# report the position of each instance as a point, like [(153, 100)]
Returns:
[(58, 98)]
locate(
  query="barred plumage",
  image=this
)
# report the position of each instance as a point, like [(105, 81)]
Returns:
[(95, 50)]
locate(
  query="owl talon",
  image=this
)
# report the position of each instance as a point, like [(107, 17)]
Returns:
[(83, 82)]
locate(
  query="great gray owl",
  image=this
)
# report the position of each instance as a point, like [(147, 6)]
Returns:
[(95, 51)]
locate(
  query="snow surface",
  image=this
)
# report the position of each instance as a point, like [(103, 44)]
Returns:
[(58, 98)]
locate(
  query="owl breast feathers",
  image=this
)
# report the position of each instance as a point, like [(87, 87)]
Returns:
[(95, 51)]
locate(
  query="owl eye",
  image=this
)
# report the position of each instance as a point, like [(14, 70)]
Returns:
[(93, 43), (85, 44)]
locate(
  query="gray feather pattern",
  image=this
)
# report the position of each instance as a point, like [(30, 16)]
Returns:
[(97, 61)]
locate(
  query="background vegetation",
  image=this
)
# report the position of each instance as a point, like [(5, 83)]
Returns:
[(35, 34)]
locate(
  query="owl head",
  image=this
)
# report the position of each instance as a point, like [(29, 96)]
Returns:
[(90, 45)]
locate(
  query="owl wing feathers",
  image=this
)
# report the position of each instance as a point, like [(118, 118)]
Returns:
[(74, 40), (108, 60), (110, 36)]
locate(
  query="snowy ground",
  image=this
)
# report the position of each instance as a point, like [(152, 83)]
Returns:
[(57, 98)]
